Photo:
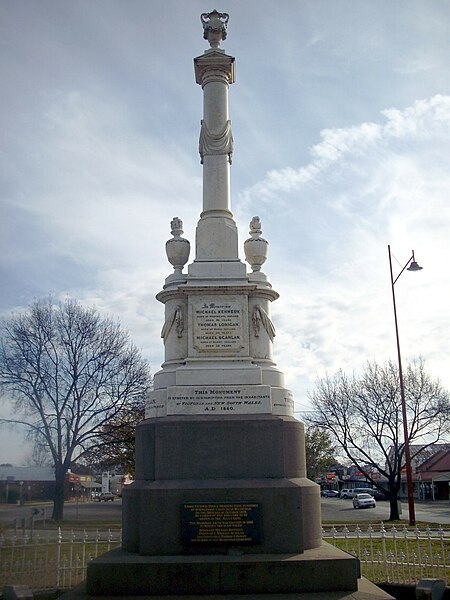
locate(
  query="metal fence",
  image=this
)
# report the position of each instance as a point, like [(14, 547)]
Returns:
[(395, 555), (58, 560), (52, 559)]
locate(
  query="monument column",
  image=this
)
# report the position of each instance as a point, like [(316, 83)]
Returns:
[(214, 72), (216, 235)]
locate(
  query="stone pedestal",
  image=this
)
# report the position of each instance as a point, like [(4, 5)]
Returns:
[(241, 460), (223, 468)]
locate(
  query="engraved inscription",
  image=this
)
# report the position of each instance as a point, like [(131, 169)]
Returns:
[(221, 522), (219, 400), (218, 327), (282, 402)]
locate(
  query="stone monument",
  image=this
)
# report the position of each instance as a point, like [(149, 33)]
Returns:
[(221, 503)]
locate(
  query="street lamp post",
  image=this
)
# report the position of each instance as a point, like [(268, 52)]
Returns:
[(411, 265)]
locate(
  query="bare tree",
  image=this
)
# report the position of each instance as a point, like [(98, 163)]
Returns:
[(115, 444), (69, 372), (363, 414), (38, 456)]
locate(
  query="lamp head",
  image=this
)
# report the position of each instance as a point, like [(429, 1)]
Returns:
[(413, 266)]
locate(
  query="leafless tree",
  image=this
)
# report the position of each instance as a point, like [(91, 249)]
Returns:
[(115, 444), (69, 372), (363, 415), (37, 456)]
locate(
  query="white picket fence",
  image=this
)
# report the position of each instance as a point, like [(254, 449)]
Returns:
[(58, 560), (52, 559), (395, 555)]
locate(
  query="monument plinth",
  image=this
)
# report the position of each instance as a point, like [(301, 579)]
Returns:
[(221, 503)]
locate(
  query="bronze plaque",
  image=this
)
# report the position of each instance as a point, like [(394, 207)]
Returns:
[(221, 522)]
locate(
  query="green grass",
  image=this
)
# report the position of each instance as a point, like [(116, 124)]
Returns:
[(36, 564), (45, 554), (404, 559)]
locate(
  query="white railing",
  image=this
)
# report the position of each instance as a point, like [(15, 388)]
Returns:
[(52, 559), (395, 555), (58, 560)]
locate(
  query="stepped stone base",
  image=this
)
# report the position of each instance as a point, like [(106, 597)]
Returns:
[(366, 591), (322, 569)]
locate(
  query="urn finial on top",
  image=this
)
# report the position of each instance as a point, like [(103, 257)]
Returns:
[(177, 248), (255, 248), (214, 27)]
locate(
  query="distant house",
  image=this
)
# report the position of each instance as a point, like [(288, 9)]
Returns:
[(433, 476), (24, 484), (420, 453), (429, 472), (89, 487)]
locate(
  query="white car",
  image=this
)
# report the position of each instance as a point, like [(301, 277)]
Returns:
[(364, 501), (346, 493), (351, 493)]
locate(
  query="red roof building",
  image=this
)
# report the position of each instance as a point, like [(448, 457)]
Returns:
[(434, 474)]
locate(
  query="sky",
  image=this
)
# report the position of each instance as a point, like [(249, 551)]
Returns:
[(341, 123)]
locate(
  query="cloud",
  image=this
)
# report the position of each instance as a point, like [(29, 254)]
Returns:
[(415, 67), (93, 199), (97, 179), (426, 120), (366, 186)]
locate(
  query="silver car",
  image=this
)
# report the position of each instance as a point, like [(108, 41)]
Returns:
[(364, 501)]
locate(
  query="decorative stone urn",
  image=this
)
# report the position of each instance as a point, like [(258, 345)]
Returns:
[(178, 248), (214, 27), (256, 247)]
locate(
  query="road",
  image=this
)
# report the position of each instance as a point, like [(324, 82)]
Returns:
[(106, 512), (334, 510)]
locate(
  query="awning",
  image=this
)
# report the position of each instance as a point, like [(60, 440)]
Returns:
[(91, 485)]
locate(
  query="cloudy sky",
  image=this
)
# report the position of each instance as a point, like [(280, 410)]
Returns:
[(341, 122)]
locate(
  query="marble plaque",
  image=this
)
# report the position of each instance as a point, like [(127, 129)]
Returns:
[(155, 405), (219, 325), (282, 402), (236, 399)]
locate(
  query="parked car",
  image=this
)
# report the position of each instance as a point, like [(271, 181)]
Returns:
[(105, 496), (362, 490), (351, 492), (330, 493), (346, 493), (379, 495), (364, 501)]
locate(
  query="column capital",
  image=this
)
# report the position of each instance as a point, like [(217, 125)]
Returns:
[(214, 65)]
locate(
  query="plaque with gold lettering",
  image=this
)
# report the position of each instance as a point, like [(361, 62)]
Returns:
[(221, 522)]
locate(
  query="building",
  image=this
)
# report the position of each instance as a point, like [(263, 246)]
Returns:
[(433, 477), (24, 484)]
